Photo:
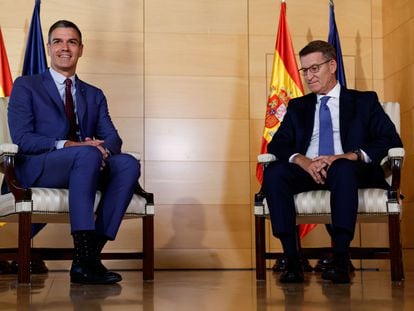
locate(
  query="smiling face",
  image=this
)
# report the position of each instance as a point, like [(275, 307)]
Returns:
[(64, 48), (324, 80)]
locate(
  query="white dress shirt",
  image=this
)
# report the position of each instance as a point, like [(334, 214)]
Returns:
[(333, 104), (60, 83)]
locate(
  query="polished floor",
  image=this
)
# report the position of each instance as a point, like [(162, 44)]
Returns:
[(209, 290)]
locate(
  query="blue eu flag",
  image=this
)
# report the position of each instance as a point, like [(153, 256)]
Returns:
[(333, 39), (35, 56)]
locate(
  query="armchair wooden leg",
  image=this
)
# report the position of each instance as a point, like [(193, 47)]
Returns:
[(25, 222), (148, 247), (396, 260), (260, 248)]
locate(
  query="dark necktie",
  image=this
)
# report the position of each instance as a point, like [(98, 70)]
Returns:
[(326, 144), (70, 111)]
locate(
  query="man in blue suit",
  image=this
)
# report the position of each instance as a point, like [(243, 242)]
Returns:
[(78, 149), (360, 134)]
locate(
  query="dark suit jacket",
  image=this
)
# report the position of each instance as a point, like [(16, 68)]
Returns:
[(37, 120), (363, 125)]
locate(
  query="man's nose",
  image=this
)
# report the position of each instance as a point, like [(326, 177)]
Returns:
[(64, 46)]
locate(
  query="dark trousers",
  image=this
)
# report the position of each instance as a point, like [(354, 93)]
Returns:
[(283, 180)]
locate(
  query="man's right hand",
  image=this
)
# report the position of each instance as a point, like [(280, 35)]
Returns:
[(316, 169), (88, 142)]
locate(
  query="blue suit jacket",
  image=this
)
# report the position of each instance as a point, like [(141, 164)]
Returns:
[(363, 125), (37, 120)]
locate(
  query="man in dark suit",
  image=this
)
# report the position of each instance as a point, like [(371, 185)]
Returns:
[(67, 140), (359, 136)]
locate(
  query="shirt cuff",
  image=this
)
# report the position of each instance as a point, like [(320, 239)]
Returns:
[(59, 144), (292, 156), (367, 159)]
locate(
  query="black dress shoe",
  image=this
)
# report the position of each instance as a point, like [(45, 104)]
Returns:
[(103, 270), (281, 264), (293, 272), (338, 272), (5, 267), (325, 263), (88, 273)]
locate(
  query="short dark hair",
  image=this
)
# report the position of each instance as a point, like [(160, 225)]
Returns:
[(63, 24), (327, 50)]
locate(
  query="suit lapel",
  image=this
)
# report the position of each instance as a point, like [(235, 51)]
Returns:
[(81, 106), (346, 113), (309, 117), (52, 91)]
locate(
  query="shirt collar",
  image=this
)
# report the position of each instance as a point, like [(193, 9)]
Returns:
[(59, 78), (335, 92)]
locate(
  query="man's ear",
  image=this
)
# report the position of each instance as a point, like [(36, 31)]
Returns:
[(333, 65), (80, 49)]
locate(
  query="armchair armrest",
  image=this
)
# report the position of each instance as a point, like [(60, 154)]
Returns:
[(149, 197), (266, 158), (136, 155), (396, 153), (395, 161), (8, 149), (7, 167)]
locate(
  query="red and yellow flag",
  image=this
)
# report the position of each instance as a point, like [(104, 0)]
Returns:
[(6, 81), (285, 84)]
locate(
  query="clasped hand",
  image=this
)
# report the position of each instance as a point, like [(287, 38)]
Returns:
[(91, 142), (317, 168)]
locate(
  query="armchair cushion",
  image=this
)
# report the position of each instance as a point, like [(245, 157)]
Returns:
[(371, 201), (49, 201)]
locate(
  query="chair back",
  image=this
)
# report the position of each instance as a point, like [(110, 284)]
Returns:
[(393, 111), (4, 127)]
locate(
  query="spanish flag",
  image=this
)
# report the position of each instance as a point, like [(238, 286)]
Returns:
[(285, 84), (6, 81)]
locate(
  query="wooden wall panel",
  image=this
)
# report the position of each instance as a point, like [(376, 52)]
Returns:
[(208, 140), (196, 55), (122, 16), (112, 52), (202, 16), (181, 182), (197, 226), (199, 97)]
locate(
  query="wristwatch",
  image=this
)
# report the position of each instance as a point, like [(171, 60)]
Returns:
[(358, 154)]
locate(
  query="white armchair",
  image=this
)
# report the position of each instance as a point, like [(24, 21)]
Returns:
[(375, 205)]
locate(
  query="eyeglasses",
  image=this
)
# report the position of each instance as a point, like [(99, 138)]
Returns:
[(313, 69)]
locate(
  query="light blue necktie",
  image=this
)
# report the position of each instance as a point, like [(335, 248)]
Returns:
[(326, 144)]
